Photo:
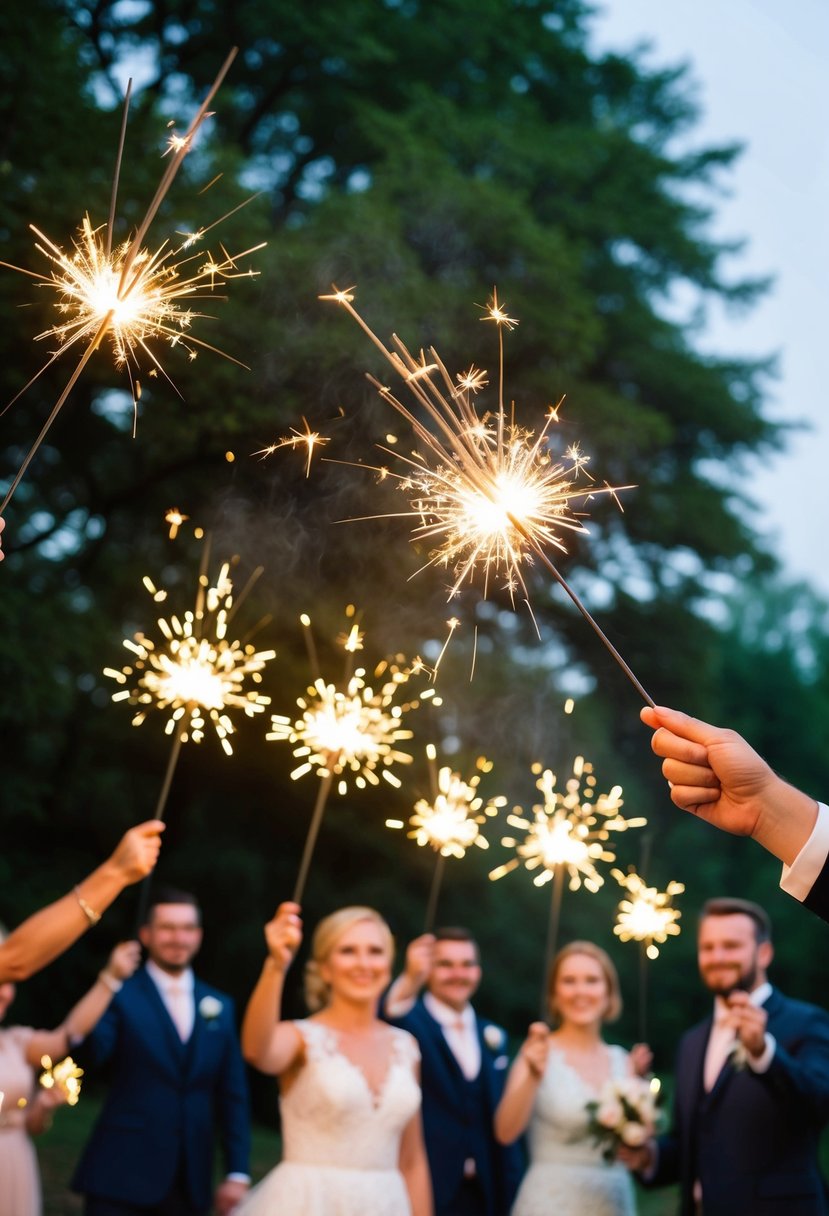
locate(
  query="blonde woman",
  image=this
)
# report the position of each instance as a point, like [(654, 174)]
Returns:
[(350, 1096), (554, 1076), (27, 1110)]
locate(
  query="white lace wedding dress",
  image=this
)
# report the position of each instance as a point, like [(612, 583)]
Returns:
[(341, 1141), (567, 1175)]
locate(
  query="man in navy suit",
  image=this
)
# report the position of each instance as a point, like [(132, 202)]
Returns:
[(752, 1085), (463, 1068), (171, 1044)]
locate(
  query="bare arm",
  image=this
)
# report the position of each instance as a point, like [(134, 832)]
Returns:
[(415, 1168), (715, 774), (268, 1043), (84, 1016), (406, 987), (513, 1112), (53, 929)]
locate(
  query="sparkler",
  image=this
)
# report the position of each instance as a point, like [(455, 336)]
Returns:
[(486, 491), (569, 833), (352, 731), (451, 822), (195, 672), (129, 295), (297, 439), (64, 1076), (647, 917)]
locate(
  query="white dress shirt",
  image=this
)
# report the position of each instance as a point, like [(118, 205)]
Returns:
[(460, 1030), (176, 992), (799, 878)]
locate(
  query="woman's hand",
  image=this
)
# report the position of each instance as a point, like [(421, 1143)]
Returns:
[(283, 934)]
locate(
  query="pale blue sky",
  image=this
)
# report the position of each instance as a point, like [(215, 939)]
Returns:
[(762, 69)]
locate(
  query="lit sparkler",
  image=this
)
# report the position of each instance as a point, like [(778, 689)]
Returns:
[(64, 1076), (196, 671), (486, 492), (129, 295), (451, 822), (351, 731), (647, 916), (175, 519), (569, 833)]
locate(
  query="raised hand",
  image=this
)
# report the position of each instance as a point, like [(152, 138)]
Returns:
[(283, 934), (137, 851), (124, 960), (536, 1048), (641, 1059), (419, 956)]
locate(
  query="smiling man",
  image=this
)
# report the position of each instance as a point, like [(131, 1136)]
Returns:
[(176, 1075), (464, 1059), (752, 1084)]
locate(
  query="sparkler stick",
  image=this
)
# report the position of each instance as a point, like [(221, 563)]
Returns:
[(351, 731), (485, 490), (648, 918), (568, 834), (450, 823), (130, 295)]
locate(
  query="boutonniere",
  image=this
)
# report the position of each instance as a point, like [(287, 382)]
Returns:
[(738, 1055), (494, 1037), (210, 1007)]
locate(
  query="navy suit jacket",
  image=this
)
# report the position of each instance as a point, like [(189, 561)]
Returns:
[(447, 1128), (752, 1141), (818, 897), (165, 1099)]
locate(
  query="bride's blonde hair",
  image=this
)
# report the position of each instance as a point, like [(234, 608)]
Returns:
[(326, 935)]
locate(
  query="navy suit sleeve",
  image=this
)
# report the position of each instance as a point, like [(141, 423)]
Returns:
[(233, 1102), (818, 898), (799, 1071)]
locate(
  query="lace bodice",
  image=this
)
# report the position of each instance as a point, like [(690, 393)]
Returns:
[(331, 1116), (567, 1173)]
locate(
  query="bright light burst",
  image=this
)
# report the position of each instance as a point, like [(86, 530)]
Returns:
[(130, 296), (451, 822), (195, 671), (569, 828), (352, 731), (64, 1076), (647, 916), (488, 494)]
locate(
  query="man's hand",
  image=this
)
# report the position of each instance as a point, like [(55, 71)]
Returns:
[(283, 934), (639, 1160), (138, 850), (749, 1022), (419, 956), (228, 1195)]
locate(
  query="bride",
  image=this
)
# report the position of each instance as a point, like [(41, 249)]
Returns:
[(554, 1076), (350, 1096)]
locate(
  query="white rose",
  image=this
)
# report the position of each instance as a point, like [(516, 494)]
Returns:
[(210, 1007), (494, 1037), (634, 1134), (610, 1114)]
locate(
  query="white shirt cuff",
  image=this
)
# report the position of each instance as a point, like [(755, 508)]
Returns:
[(799, 878), (763, 1063), (238, 1178)]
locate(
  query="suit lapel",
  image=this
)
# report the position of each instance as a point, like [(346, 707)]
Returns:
[(438, 1038), (162, 1023)]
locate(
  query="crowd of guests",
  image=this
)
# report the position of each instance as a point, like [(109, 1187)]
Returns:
[(397, 1097)]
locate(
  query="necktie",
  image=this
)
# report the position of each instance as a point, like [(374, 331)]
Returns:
[(178, 1010), (458, 1038), (720, 1042)]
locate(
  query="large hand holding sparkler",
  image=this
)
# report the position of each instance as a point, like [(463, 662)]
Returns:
[(486, 491), (129, 295)]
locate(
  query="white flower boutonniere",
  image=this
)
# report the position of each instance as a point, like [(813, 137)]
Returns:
[(494, 1037), (210, 1007), (738, 1056)]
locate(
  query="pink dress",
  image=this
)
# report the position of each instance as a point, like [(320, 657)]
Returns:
[(20, 1186)]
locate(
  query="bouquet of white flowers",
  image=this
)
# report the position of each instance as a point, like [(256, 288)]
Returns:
[(625, 1112)]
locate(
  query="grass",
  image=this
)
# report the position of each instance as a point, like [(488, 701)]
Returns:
[(60, 1149)]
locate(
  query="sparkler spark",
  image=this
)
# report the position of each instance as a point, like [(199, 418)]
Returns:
[(353, 730), (647, 916), (308, 439), (64, 1076), (451, 822), (130, 296), (195, 671), (175, 519), (488, 494), (569, 828)]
